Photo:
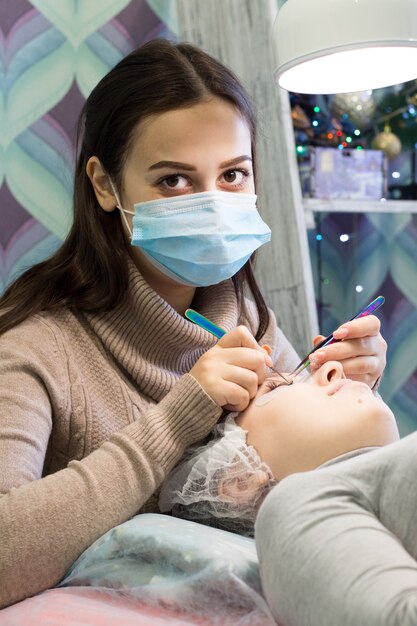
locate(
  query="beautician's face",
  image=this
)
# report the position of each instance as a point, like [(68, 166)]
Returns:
[(205, 147), (307, 423)]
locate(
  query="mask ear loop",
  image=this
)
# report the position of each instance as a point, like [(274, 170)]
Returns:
[(121, 209)]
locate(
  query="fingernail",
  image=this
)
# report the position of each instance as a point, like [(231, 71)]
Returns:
[(340, 333), (267, 348)]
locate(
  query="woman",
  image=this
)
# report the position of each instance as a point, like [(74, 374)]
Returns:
[(103, 382), (285, 429)]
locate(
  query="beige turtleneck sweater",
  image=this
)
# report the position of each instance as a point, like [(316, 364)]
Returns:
[(94, 411)]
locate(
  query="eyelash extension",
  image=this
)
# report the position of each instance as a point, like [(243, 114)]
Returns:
[(272, 384)]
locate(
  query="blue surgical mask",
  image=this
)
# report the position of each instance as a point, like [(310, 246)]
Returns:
[(198, 239)]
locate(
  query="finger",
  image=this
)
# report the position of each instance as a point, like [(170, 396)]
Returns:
[(238, 397), (347, 349), (247, 358), (340, 350), (361, 327), (317, 339), (242, 337), (362, 368), (267, 349), (244, 378), (239, 337)]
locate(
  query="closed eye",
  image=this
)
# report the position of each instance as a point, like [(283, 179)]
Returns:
[(282, 381), (273, 383)]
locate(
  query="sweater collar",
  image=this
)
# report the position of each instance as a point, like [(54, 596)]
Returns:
[(153, 343)]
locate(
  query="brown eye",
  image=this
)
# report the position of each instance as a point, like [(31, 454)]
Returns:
[(172, 181), (235, 179), (230, 177)]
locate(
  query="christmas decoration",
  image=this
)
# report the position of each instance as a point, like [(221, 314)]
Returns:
[(300, 118), (329, 121), (358, 106), (389, 143), (398, 106), (353, 120)]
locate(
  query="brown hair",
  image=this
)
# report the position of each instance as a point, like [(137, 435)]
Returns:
[(89, 271)]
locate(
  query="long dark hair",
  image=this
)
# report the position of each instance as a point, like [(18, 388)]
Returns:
[(89, 272)]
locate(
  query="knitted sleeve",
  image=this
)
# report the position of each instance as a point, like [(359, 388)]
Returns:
[(46, 522)]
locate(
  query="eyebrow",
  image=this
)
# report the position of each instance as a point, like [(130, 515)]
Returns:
[(191, 168)]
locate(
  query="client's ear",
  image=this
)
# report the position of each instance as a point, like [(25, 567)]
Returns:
[(242, 488)]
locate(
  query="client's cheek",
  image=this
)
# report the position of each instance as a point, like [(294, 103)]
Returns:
[(267, 396)]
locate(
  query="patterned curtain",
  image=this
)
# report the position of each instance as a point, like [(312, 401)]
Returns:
[(53, 52)]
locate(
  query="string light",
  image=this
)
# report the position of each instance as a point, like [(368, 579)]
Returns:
[(344, 134)]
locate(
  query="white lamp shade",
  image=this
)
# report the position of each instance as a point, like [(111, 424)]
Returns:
[(338, 46)]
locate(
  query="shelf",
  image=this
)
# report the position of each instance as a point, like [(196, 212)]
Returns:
[(317, 205)]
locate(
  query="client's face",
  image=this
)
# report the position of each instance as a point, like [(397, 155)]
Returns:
[(298, 427)]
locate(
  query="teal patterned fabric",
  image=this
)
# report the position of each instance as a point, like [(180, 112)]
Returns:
[(166, 562)]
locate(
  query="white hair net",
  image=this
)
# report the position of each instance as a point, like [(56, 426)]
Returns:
[(222, 483)]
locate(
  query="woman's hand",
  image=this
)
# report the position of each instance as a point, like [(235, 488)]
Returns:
[(362, 350), (231, 372)]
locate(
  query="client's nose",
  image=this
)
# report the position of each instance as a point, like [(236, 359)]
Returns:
[(328, 372)]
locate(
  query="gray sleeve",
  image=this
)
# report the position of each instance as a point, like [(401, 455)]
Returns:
[(338, 545)]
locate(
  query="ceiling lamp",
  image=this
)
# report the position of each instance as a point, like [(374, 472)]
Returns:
[(338, 46)]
